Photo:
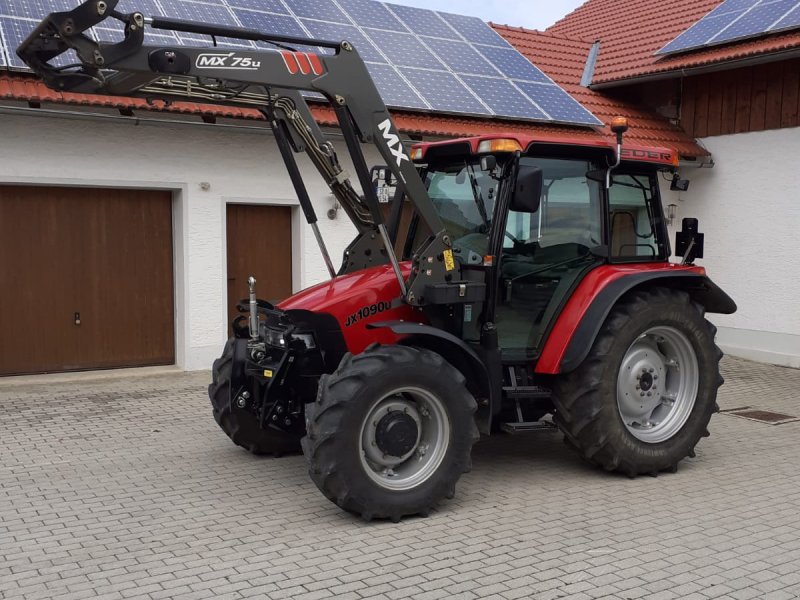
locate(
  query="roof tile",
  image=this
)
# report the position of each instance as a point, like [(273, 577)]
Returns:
[(632, 31), (563, 60)]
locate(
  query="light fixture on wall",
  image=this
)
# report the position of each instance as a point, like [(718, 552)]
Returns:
[(679, 185), (672, 211)]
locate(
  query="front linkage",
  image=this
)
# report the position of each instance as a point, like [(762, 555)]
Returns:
[(277, 362)]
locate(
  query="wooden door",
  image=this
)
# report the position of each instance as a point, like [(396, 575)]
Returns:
[(405, 220), (86, 279), (259, 244)]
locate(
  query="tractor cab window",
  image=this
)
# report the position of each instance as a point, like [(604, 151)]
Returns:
[(464, 197), (633, 223), (545, 252)]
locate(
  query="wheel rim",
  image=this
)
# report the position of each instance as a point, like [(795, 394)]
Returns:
[(410, 462), (657, 384)]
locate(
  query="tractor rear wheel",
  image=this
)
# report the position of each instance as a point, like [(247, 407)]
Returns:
[(391, 432), (240, 425), (643, 397)]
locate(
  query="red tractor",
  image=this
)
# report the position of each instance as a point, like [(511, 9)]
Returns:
[(534, 279)]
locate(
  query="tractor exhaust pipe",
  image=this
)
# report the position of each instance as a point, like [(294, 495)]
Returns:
[(251, 284)]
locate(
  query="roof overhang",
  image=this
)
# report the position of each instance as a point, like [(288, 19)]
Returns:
[(702, 69)]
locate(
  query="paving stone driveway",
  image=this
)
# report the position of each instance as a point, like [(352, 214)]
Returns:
[(125, 488)]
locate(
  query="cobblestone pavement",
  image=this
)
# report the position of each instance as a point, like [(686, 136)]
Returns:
[(125, 488)]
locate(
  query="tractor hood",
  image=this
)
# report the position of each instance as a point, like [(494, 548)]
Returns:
[(356, 300), (353, 290)]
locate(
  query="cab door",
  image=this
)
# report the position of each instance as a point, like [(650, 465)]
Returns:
[(545, 254)]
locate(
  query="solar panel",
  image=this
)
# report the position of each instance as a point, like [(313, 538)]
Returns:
[(737, 20), (790, 21), (473, 29), (273, 6), (424, 22), (503, 97), (555, 104), (34, 9), (460, 57), (420, 59), (444, 92), (322, 10), (753, 21), (337, 33), (368, 13), (403, 49), (14, 31), (512, 64), (395, 91)]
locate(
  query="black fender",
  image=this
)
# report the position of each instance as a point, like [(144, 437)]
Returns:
[(700, 287), (459, 354)]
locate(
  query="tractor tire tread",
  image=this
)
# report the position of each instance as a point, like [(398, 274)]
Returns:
[(580, 404), (325, 426)]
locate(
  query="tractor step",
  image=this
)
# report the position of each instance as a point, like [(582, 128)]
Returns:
[(528, 426), (528, 392)]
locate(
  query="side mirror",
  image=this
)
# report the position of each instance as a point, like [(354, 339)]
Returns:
[(488, 163), (528, 190)]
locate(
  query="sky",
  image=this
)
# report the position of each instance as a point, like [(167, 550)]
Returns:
[(533, 14)]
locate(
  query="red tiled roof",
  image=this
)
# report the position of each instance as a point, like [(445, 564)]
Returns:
[(564, 59), (24, 87), (631, 31), (561, 58), (646, 129)]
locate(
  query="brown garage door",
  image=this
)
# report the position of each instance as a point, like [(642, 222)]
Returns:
[(85, 278), (259, 244)]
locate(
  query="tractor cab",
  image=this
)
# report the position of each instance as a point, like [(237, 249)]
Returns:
[(531, 218)]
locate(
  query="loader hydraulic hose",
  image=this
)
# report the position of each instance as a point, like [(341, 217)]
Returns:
[(299, 185), (327, 163)]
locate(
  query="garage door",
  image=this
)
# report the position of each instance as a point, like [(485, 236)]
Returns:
[(86, 279), (259, 244)]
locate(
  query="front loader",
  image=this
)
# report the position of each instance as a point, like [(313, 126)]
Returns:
[(534, 280)]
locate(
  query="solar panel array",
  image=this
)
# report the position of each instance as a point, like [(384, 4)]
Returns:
[(737, 20), (420, 59)]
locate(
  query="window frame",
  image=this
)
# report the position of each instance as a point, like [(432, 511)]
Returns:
[(656, 215)]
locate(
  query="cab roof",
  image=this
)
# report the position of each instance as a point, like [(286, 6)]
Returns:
[(654, 155)]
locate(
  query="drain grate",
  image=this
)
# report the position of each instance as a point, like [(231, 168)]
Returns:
[(761, 416)]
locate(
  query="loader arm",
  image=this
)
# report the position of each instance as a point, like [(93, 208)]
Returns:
[(272, 81)]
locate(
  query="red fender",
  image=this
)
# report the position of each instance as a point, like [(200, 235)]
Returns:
[(592, 286)]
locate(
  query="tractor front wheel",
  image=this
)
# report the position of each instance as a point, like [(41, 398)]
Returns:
[(643, 397), (240, 425), (391, 432)]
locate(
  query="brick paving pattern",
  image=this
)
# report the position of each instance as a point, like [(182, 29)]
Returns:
[(125, 488)]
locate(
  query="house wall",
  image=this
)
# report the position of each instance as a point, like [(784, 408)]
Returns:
[(240, 166), (741, 100), (749, 209)]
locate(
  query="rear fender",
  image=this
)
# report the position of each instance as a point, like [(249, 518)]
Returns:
[(584, 314), (459, 354)]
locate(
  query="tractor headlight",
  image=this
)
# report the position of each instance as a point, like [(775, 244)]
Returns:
[(277, 338), (274, 337), (306, 338)]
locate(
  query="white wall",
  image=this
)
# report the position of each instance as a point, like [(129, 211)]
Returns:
[(749, 208), (241, 166)]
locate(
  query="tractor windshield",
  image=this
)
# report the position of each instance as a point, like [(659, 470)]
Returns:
[(464, 196)]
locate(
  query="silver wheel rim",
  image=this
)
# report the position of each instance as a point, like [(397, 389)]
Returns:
[(421, 462), (657, 384)]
